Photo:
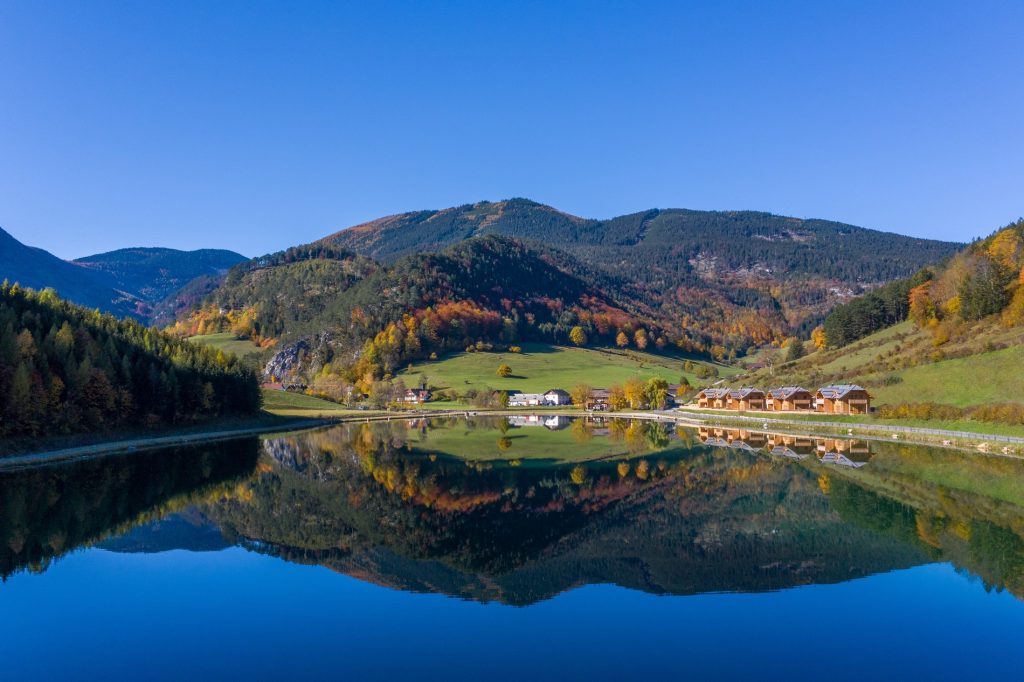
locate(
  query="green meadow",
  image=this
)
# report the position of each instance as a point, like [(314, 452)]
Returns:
[(540, 367)]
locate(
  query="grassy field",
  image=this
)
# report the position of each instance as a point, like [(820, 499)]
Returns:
[(288, 404), (992, 377), (228, 343), (901, 364), (541, 367)]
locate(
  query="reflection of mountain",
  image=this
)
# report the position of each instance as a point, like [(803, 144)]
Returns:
[(683, 520), (184, 530), (48, 511)]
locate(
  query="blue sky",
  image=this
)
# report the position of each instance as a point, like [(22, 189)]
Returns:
[(255, 126)]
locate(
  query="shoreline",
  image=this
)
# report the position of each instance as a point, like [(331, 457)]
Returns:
[(129, 445), (975, 441)]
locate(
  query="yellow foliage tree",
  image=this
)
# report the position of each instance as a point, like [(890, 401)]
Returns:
[(578, 336)]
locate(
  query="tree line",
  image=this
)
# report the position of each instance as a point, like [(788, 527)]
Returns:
[(67, 369)]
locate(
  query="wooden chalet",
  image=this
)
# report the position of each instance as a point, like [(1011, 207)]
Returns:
[(713, 398), (789, 399), (557, 396), (842, 399), (417, 395), (598, 400), (745, 399)]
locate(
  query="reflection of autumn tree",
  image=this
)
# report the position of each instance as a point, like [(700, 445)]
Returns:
[(578, 475), (623, 469), (504, 443), (581, 431)]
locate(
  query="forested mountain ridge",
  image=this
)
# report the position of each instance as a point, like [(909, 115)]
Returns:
[(368, 319), (39, 269), (65, 369), (125, 282), (717, 240), (154, 273), (682, 261)]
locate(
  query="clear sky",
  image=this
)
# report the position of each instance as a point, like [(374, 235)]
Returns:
[(255, 126)]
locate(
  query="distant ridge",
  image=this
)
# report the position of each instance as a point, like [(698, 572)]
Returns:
[(123, 282)]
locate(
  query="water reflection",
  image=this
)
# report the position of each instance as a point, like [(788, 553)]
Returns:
[(849, 452), (48, 511), (519, 510)]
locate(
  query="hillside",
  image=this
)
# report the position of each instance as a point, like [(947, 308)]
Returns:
[(66, 369), (134, 282), (335, 310), (540, 367), (957, 340), (791, 271)]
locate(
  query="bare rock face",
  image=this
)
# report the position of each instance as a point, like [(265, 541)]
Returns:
[(285, 363)]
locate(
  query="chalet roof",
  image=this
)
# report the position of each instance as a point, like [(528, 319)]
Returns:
[(786, 392), (600, 393), (837, 391), (740, 393), (715, 392), (556, 391)]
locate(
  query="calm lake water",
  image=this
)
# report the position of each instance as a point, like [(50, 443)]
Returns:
[(536, 548)]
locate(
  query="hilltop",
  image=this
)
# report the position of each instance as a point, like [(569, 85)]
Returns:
[(791, 271)]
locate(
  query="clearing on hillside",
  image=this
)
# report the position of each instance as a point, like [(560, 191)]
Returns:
[(540, 367)]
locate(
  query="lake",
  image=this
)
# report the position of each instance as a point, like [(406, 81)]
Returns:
[(509, 549)]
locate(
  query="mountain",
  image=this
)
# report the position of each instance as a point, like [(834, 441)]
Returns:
[(131, 282), (39, 269), (153, 273), (370, 318), (745, 258)]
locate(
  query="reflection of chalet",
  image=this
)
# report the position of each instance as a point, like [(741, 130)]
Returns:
[(597, 400), (738, 439), (842, 399), (851, 453), (550, 422), (794, 447), (713, 397), (745, 399), (790, 398)]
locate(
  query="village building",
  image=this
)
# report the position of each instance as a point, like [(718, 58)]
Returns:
[(790, 399), (518, 399), (842, 399), (557, 396), (713, 398), (417, 395), (598, 400), (745, 399)]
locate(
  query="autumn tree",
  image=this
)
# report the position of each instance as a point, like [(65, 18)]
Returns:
[(578, 336), (656, 393), (504, 371), (579, 394), (621, 340), (617, 397), (634, 393)]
